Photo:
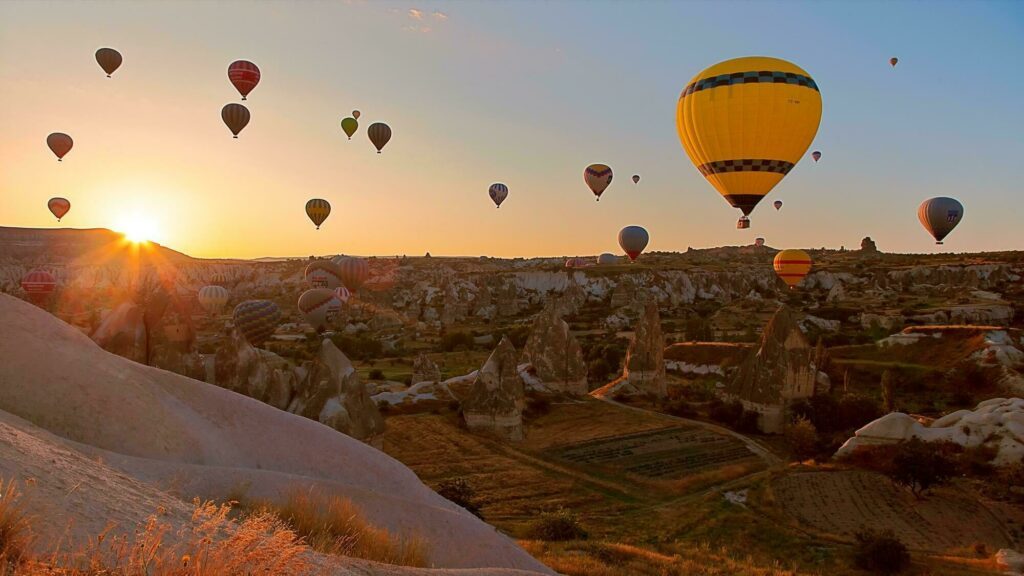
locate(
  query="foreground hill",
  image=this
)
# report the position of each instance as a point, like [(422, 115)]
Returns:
[(104, 433)]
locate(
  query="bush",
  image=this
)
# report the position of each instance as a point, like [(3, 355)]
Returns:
[(919, 466), (680, 408), (802, 439), (728, 413), (376, 374), (748, 422), (358, 347), (557, 526), (453, 341), (459, 491), (880, 552), (537, 406)]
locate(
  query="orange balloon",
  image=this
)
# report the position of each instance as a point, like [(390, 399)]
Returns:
[(792, 266)]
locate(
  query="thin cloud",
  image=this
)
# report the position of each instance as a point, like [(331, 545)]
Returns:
[(415, 14), (438, 15)]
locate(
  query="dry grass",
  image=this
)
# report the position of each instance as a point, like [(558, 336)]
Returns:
[(15, 529)]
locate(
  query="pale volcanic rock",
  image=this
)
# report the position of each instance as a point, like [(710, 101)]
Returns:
[(256, 373), (122, 332), (495, 402), (645, 358), (555, 355), (333, 394), (424, 370)]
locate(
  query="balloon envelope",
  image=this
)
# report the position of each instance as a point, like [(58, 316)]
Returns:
[(940, 215), (356, 114), (213, 298), (771, 109), (38, 285), (58, 207), (319, 306), (256, 320), (636, 178), (792, 265), (323, 274), (354, 271), (244, 75), (108, 59), (777, 204), (893, 61), (816, 155), (349, 125), (597, 177), (235, 117), (607, 258), (633, 240), (60, 144), (498, 192), (318, 210), (380, 134)]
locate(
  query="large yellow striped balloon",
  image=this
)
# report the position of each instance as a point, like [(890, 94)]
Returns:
[(745, 123), (792, 266)]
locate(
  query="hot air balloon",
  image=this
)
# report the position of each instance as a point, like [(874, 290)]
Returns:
[(770, 109), (578, 262), (318, 209), (379, 134), (633, 240), (256, 320), (893, 61), (597, 177), (636, 178), (235, 117), (816, 155), (244, 75), (356, 114), (759, 242), (323, 274), (777, 204), (319, 307), (60, 144), (58, 207), (354, 271), (213, 298), (349, 125), (219, 279), (38, 285), (607, 259), (108, 59), (498, 192), (939, 216), (342, 294), (792, 265)]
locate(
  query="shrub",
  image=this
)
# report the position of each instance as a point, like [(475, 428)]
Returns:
[(748, 422), (453, 341), (459, 491), (880, 552), (537, 406), (376, 374), (557, 526), (728, 413), (680, 408), (802, 439), (919, 466)]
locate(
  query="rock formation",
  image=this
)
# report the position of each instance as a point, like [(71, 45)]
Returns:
[(780, 370), (495, 403), (997, 423), (554, 355), (424, 370), (167, 344), (644, 372), (867, 245), (123, 332), (256, 373)]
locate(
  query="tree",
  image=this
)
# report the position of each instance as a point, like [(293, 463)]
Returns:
[(802, 438), (880, 552), (459, 491), (888, 398), (919, 466)]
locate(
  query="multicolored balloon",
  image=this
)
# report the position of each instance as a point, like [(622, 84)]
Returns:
[(380, 134), (235, 117), (636, 178), (213, 298), (775, 106), (244, 75), (940, 215), (256, 320), (816, 155), (498, 192), (349, 125), (60, 144), (354, 271), (792, 265), (597, 177), (58, 207), (108, 59), (38, 285), (319, 307), (323, 274), (777, 204), (578, 262), (633, 240), (318, 210)]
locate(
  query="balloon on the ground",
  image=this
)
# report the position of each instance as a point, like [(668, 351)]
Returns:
[(380, 134), (108, 59), (318, 210), (597, 177), (893, 61), (319, 307), (940, 215), (636, 178), (349, 125), (816, 155), (792, 265), (244, 75), (323, 274), (60, 144), (633, 240), (256, 320), (58, 207), (578, 262), (498, 192), (770, 109), (356, 114), (235, 117), (354, 271), (777, 204), (213, 298), (607, 258)]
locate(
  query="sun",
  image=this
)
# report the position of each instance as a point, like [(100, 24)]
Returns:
[(138, 228)]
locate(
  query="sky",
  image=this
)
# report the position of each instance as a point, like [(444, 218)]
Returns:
[(526, 93)]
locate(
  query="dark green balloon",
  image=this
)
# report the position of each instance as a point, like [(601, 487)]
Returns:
[(349, 125)]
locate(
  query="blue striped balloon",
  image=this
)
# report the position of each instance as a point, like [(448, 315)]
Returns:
[(256, 320)]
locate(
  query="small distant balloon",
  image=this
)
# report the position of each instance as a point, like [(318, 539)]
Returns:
[(58, 207), (777, 204), (355, 114), (349, 125), (380, 134), (318, 210), (244, 75), (498, 192), (893, 61), (108, 59), (60, 144), (636, 178), (597, 177), (940, 215), (633, 240), (816, 155), (213, 298), (792, 265), (235, 117)]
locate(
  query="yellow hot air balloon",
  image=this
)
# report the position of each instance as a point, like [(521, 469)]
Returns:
[(792, 266), (318, 209), (745, 123)]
